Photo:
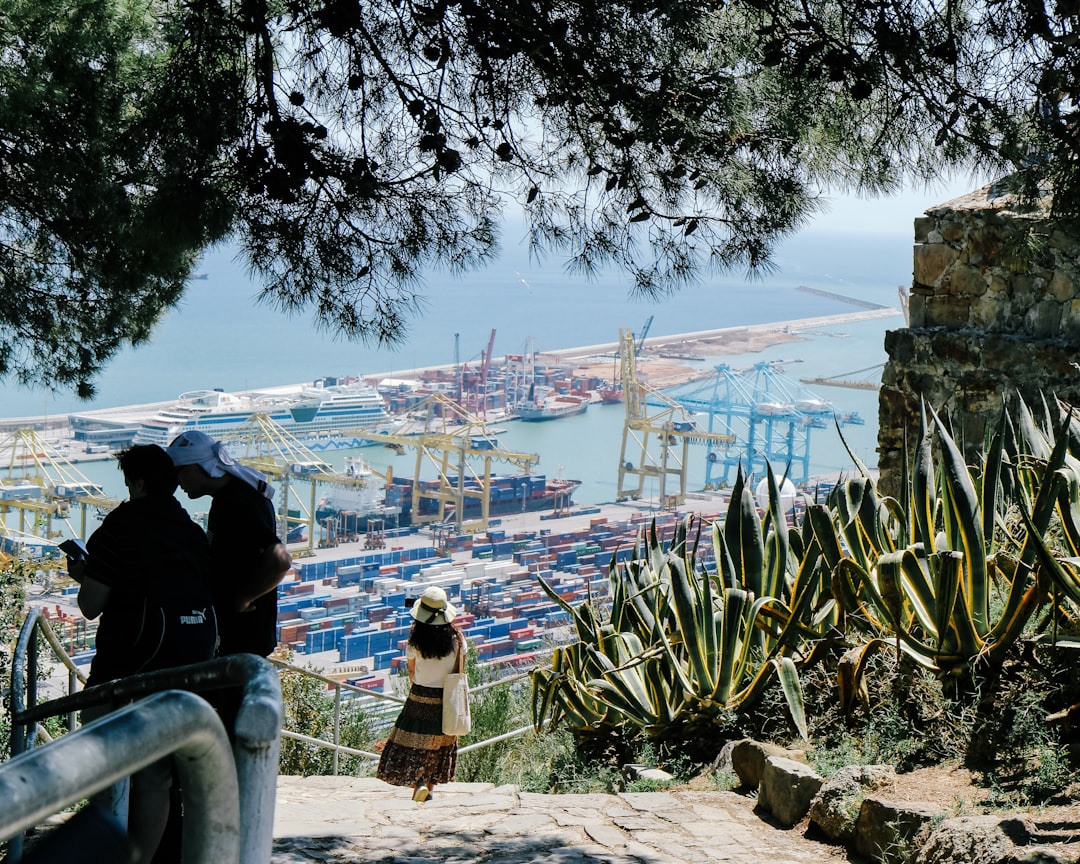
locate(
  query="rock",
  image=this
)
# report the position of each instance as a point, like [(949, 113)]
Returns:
[(886, 830), (1042, 855), (835, 808), (748, 760), (646, 772), (787, 788), (973, 840), (932, 260)]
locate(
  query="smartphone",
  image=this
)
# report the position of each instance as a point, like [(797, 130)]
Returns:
[(75, 549)]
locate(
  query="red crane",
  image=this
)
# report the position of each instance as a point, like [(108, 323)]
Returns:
[(484, 366)]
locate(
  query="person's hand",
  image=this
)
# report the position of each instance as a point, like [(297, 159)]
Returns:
[(76, 567)]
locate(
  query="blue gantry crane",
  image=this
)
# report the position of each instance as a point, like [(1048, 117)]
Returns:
[(770, 415)]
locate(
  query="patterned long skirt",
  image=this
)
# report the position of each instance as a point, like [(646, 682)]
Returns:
[(417, 750)]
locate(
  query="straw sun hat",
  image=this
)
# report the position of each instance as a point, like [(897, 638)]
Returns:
[(432, 607)]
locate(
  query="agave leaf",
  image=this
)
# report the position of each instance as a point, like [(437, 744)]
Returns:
[(788, 676), (923, 495), (860, 466), (693, 618), (821, 523), (776, 541), (1037, 443), (581, 614), (1064, 577), (851, 674), (991, 477), (962, 514), (725, 565), (733, 629), (956, 621), (742, 531)]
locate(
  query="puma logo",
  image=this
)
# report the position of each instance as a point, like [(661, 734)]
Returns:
[(197, 616)]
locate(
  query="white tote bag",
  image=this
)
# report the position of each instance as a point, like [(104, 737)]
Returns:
[(456, 719)]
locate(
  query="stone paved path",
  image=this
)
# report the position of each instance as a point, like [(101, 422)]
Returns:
[(348, 819)]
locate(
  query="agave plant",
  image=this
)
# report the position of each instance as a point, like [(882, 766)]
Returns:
[(1062, 564), (921, 576), (682, 646)]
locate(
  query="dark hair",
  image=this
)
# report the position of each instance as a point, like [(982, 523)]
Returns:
[(432, 640), (152, 465)]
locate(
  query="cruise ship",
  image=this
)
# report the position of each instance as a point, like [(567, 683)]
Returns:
[(324, 415)]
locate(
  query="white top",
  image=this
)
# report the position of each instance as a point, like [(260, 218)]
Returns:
[(431, 672)]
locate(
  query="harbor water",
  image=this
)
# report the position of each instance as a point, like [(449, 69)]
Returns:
[(221, 337)]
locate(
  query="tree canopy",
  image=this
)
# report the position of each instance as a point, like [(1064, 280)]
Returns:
[(349, 147)]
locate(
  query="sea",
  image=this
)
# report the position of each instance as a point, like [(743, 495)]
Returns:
[(223, 335)]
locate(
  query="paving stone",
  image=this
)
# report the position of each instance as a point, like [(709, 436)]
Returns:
[(363, 821), (606, 835)]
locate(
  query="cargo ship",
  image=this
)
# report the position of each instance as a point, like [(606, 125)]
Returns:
[(545, 404), (517, 493), (510, 494), (362, 495), (331, 412)]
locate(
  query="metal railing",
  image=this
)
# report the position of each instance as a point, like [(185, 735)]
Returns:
[(341, 687), (45, 780), (255, 736)]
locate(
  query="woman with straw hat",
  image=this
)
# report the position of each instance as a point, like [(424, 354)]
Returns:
[(417, 753)]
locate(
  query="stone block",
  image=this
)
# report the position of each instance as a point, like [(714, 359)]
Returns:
[(1043, 320), (916, 306), (947, 311), (952, 231), (886, 830), (1070, 327), (932, 260), (983, 839), (787, 788), (923, 226), (985, 242), (967, 281), (835, 808), (748, 760), (1062, 287)]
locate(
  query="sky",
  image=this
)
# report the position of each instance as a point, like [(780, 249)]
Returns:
[(892, 215)]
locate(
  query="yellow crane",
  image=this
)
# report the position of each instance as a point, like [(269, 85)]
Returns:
[(266, 446), (443, 434), (40, 487), (448, 438), (670, 430)]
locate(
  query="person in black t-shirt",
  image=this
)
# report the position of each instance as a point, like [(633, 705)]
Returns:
[(145, 574), (247, 558)]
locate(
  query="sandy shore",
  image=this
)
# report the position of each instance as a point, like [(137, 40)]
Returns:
[(665, 372)]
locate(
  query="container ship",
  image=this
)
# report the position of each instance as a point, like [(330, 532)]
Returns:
[(518, 493), (363, 495), (329, 413), (547, 405)]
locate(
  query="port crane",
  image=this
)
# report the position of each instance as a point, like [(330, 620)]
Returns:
[(449, 439), (671, 430), (266, 446), (473, 387), (644, 332), (41, 489), (772, 416)]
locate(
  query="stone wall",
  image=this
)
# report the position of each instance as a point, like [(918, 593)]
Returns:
[(994, 310)]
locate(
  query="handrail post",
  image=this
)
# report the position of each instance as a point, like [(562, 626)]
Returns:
[(73, 716), (337, 725), (256, 748), (31, 682)]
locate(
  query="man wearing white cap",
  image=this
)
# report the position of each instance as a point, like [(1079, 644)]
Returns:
[(247, 557)]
